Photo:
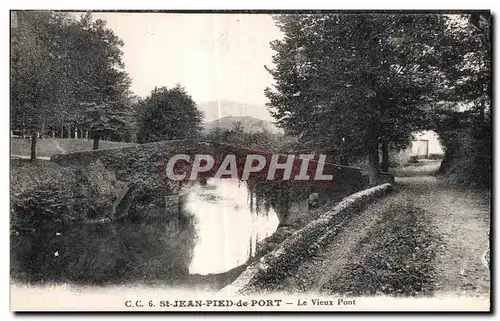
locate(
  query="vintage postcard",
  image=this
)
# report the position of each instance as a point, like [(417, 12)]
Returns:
[(250, 161)]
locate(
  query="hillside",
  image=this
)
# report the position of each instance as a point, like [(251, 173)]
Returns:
[(250, 124), (214, 110)]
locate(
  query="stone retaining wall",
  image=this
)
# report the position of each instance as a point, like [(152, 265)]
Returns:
[(274, 266)]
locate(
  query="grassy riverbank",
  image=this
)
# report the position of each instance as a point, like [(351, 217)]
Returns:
[(56, 146)]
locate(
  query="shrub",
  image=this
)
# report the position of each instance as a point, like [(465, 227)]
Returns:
[(436, 156), (413, 160)]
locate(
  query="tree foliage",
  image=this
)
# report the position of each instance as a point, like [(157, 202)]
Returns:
[(354, 82), (238, 137), (464, 123), (67, 72), (101, 81), (168, 114), (36, 88)]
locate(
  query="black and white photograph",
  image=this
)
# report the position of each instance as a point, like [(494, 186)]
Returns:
[(250, 160)]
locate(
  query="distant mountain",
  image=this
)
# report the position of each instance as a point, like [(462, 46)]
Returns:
[(249, 124), (220, 109)]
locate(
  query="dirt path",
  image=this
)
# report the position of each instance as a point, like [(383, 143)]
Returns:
[(58, 147), (313, 274), (425, 238), (462, 219)]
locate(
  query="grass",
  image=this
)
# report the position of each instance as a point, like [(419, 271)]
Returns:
[(395, 258), (55, 146)]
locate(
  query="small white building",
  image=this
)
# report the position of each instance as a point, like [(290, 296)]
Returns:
[(424, 144)]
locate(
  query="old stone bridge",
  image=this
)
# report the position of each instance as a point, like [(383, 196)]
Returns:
[(132, 182)]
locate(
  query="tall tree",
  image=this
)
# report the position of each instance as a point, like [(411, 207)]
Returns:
[(168, 114), (464, 122), (36, 62), (351, 83), (67, 72), (101, 84)]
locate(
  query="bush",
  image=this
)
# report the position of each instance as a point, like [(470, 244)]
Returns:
[(413, 160), (436, 156), (393, 163), (468, 157)]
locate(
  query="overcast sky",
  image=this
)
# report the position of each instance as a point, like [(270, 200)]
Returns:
[(215, 56)]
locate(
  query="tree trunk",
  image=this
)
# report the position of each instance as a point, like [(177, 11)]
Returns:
[(33, 146), (481, 112), (344, 160), (62, 131), (43, 130), (446, 162), (69, 131), (96, 143), (385, 157), (373, 161), (82, 133)]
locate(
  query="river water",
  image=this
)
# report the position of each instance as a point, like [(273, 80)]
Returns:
[(229, 225), (219, 228)]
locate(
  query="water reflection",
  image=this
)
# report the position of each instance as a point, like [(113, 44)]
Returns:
[(230, 222), (103, 253), (218, 228)]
